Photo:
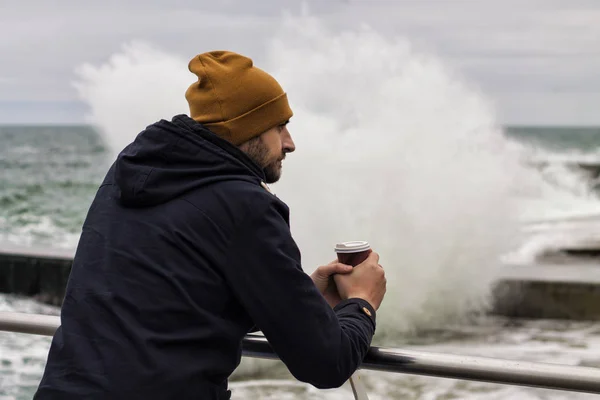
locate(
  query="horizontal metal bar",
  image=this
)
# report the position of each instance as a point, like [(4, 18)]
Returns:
[(36, 324), (550, 376)]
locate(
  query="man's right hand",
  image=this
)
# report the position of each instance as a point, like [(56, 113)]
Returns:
[(367, 281)]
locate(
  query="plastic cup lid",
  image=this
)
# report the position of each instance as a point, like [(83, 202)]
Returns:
[(352, 247)]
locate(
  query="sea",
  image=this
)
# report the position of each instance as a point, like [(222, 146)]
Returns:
[(50, 174), (395, 147)]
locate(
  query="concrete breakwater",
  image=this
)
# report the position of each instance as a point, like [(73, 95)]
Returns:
[(38, 273), (565, 291), (547, 299)]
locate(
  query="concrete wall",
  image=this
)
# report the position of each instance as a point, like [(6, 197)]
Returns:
[(537, 292), (41, 274), (547, 299)]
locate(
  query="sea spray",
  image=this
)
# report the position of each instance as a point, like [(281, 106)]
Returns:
[(134, 88), (395, 149)]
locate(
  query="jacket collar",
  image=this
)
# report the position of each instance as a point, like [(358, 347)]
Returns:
[(206, 134)]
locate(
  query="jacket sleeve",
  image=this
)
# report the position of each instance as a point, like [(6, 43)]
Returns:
[(319, 345)]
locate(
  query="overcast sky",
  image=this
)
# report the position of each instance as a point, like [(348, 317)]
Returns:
[(539, 61)]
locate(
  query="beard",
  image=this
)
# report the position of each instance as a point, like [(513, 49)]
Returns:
[(259, 153), (272, 172)]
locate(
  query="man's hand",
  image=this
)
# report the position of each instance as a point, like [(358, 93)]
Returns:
[(323, 279), (366, 282)]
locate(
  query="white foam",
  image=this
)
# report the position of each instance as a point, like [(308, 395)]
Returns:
[(387, 130), (144, 80), (36, 231), (559, 205), (22, 356)]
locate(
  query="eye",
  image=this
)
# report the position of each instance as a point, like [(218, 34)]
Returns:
[(283, 125)]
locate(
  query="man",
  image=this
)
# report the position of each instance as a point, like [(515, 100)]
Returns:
[(184, 250)]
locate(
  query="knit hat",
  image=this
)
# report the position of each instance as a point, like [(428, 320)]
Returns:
[(234, 99)]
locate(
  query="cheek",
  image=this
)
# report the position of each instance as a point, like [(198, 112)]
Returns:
[(272, 142), (275, 148)]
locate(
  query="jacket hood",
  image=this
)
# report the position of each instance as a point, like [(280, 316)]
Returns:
[(170, 158)]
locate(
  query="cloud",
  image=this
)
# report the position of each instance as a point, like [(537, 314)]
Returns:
[(548, 47)]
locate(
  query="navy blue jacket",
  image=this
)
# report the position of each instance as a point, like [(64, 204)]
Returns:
[(181, 254)]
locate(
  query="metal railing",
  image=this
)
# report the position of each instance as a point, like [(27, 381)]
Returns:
[(549, 376)]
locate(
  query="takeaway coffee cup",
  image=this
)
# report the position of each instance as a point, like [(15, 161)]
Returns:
[(352, 253)]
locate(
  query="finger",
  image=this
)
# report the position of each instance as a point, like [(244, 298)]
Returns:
[(374, 257), (337, 268), (340, 268)]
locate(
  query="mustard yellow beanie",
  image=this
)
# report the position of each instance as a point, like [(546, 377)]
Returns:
[(233, 98)]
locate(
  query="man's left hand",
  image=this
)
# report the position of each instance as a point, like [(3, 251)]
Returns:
[(323, 279)]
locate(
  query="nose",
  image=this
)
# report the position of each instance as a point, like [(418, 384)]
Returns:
[(287, 141)]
